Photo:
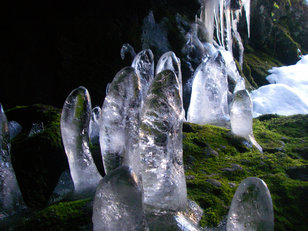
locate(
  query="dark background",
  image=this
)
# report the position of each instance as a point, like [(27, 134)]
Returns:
[(48, 48)]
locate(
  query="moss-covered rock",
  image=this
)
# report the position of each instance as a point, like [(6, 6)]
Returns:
[(38, 159), (74, 215), (256, 65)]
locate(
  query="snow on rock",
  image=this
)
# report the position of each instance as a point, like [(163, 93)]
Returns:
[(288, 92)]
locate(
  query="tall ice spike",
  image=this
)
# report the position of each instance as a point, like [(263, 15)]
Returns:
[(75, 121)]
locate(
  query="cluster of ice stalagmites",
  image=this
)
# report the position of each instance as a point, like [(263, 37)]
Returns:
[(209, 101), (143, 131), (10, 196), (75, 120), (251, 207), (219, 97)]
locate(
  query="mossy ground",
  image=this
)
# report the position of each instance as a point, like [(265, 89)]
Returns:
[(215, 163), (283, 140), (74, 215)]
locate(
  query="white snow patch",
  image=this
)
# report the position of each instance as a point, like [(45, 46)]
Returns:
[(287, 93)]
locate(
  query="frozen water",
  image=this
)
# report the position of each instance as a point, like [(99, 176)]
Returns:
[(251, 208), (241, 117), (143, 64), (209, 103), (288, 92), (219, 15), (37, 127), (169, 61), (14, 129), (235, 81), (10, 196), (246, 4), (64, 189), (94, 125), (119, 126), (171, 221), (209, 8), (118, 202), (193, 211), (161, 145), (127, 48), (75, 121)]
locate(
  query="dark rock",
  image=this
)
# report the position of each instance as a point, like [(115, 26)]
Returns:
[(214, 182), (190, 177), (40, 159), (303, 152), (187, 127), (200, 143), (211, 152), (298, 173), (232, 185), (234, 167)]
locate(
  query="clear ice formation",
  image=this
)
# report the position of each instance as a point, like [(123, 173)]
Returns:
[(37, 127), (119, 127), (209, 101), (94, 125), (160, 145), (143, 64), (171, 222), (10, 196), (241, 117), (64, 189), (219, 14), (14, 129), (74, 125), (127, 48), (169, 61), (251, 208), (118, 202)]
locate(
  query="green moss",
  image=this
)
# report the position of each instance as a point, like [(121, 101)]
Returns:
[(38, 160), (256, 65), (235, 162), (62, 216), (215, 161)]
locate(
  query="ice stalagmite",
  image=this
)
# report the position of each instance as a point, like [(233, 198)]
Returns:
[(119, 127), (118, 202), (127, 48), (241, 117), (169, 61), (160, 145), (10, 196), (75, 121), (143, 63), (251, 208), (209, 103), (94, 125)]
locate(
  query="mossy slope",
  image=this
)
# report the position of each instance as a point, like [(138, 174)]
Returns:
[(215, 163), (212, 177)]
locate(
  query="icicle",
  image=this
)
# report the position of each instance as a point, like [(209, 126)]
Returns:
[(207, 17), (221, 15), (228, 27), (246, 4)]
